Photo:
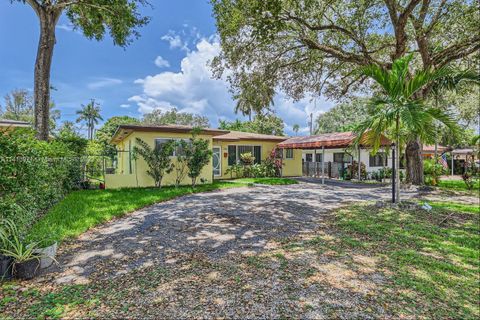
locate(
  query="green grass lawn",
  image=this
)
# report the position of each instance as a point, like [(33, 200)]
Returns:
[(268, 181), (458, 185), (434, 262), (364, 261), (84, 209)]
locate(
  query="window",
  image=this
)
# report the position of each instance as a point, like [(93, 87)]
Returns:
[(308, 157), (342, 157), (176, 152), (257, 153), (378, 160), (232, 155), (318, 157), (278, 153), (235, 151), (288, 153)]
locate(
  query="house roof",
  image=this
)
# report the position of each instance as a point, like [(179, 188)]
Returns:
[(466, 151), (13, 123), (327, 140), (125, 130), (238, 135), (431, 148)]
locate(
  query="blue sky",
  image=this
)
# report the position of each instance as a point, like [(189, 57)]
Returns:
[(167, 67)]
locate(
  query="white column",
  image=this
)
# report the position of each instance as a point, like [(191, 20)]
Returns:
[(323, 164), (359, 165), (452, 162)]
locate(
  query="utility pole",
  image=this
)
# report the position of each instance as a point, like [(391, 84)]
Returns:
[(311, 124)]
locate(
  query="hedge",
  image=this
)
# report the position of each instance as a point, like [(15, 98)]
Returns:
[(34, 175)]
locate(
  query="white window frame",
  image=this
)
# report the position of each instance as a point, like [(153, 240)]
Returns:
[(286, 154)]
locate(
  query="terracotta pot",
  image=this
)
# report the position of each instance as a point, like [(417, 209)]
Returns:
[(27, 270)]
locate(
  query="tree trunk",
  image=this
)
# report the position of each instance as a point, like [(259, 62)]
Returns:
[(48, 19), (397, 162), (414, 159)]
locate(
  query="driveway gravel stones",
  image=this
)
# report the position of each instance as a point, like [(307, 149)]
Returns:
[(217, 224)]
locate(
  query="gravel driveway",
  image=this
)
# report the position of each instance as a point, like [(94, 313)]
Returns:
[(215, 224)]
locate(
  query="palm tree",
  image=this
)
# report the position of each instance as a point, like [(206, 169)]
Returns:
[(90, 114), (295, 128), (398, 110), (255, 96)]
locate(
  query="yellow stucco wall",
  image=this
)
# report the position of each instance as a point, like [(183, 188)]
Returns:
[(291, 167), (137, 176), (133, 173)]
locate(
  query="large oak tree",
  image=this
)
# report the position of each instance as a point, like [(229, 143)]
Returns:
[(120, 18), (315, 46)]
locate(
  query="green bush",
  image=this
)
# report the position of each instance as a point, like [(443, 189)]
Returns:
[(432, 171), (34, 175)]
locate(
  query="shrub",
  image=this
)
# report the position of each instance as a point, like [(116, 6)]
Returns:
[(470, 173), (197, 156), (157, 159), (236, 170), (352, 171), (34, 175), (247, 160), (432, 171), (181, 164)]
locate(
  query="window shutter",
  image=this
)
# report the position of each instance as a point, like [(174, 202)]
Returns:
[(232, 155), (257, 153)]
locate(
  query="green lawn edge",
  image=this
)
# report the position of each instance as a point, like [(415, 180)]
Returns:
[(82, 210)]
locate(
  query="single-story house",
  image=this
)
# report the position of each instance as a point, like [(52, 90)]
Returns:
[(8, 125), (227, 146), (428, 151), (338, 152)]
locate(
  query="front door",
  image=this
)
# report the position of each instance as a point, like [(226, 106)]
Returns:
[(217, 161)]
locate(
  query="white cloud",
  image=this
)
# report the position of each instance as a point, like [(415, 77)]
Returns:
[(174, 40), (103, 82), (161, 62), (65, 27), (125, 106), (193, 89)]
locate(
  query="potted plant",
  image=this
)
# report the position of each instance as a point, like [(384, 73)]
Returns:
[(26, 261), (6, 262)]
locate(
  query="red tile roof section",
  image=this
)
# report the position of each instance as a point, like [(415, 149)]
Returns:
[(327, 140), (431, 149)]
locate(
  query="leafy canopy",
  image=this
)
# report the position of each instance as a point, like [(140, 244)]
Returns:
[(173, 116), (343, 117), (264, 124), (120, 18), (313, 46), (105, 133), (398, 109)]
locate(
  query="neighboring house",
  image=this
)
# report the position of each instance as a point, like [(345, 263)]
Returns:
[(227, 146), (339, 153), (428, 151), (8, 125)]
